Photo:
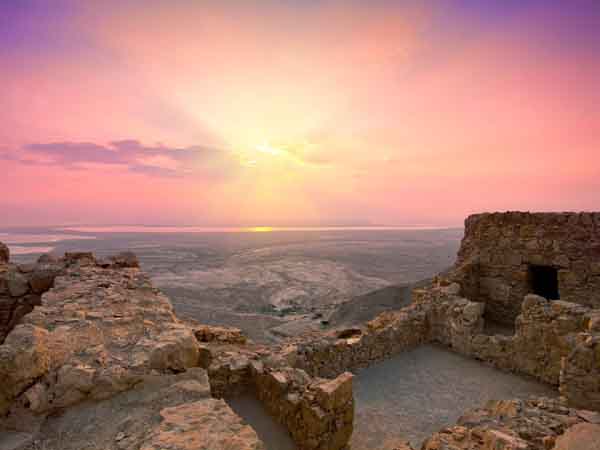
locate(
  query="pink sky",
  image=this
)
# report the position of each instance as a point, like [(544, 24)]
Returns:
[(296, 113)]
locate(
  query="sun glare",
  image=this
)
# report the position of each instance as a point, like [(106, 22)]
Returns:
[(261, 229), (269, 149)]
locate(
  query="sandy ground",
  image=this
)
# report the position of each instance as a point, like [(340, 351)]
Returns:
[(415, 394), (273, 434)]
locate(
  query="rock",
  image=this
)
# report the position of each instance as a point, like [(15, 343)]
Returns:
[(583, 436), (125, 259), (24, 357), (42, 278), (451, 289), (82, 258), (177, 349), (334, 394), (534, 424), (204, 356), (17, 284), (4, 253), (348, 333), (103, 329), (208, 424), (223, 335), (499, 439), (47, 258)]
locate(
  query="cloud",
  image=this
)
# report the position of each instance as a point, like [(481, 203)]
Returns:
[(156, 161)]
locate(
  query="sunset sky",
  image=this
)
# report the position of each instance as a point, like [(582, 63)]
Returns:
[(292, 113)]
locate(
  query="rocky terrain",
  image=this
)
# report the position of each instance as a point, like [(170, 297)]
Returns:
[(95, 358), (103, 361), (276, 284)]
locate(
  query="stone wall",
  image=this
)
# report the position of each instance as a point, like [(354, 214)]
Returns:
[(555, 341), (498, 249), (388, 334), (580, 374), (317, 412)]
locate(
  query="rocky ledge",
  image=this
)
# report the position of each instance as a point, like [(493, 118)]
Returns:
[(95, 333), (536, 424), (99, 359)]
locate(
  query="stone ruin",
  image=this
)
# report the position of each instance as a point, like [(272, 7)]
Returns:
[(103, 337), (505, 256)]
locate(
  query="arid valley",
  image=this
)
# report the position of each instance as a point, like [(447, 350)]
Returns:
[(269, 284)]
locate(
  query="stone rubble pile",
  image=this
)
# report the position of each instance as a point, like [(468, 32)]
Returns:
[(536, 424)]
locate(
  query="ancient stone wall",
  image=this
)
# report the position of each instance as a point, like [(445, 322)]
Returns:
[(388, 334), (554, 341), (580, 374), (317, 412), (498, 251), (546, 332)]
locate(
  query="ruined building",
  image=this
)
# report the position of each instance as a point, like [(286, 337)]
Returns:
[(505, 256)]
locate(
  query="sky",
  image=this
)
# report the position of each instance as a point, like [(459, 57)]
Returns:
[(296, 113)]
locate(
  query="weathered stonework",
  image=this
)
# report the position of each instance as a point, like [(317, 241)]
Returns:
[(102, 334), (580, 374), (535, 424), (21, 286), (101, 330), (94, 334), (317, 412), (388, 334), (555, 341), (498, 250)]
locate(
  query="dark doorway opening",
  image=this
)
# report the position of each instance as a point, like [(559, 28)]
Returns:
[(544, 281)]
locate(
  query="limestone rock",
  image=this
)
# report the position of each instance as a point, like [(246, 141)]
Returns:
[(583, 436), (334, 394), (4, 253), (18, 285), (42, 277), (125, 259), (222, 335), (24, 357), (203, 425), (176, 349), (102, 329), (159, 412), (534, 424)]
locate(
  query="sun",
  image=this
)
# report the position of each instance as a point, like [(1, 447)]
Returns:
[(261, 229), (269, 149)]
